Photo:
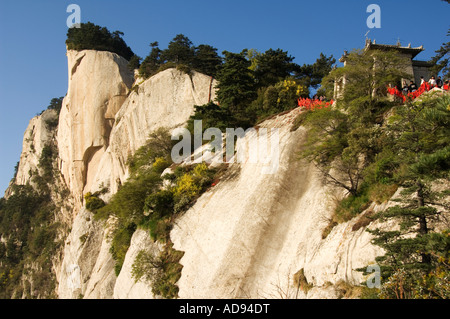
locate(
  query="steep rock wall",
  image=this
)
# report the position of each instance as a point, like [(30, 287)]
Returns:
[(102, 123), (244, 238), (248, 236), (98, 86), (165, 100), (36, 136)]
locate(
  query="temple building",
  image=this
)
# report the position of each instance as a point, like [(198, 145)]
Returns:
[(415, 68)]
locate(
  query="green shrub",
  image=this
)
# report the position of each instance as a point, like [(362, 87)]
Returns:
[(351, 206), (46, 161), (160, 229), (299, 120), (145, 266), (160, 203), (160, 165), (134, 63), (186, 187), (128, 203), (381, 193), (162, 270), (190, 185), (159, 145), (93, 37), (277, 98), (93, 202), (184, 68), (120, 244), (165, 282)]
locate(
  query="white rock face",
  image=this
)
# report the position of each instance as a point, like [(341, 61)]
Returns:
[(101, 124), (36, 136), (126, 286), (98, 86), (249, 235), (165, 100), (246, 237), (84, 255)]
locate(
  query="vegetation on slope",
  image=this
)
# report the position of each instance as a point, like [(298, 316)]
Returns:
[(370, 147), (143, 202), (30, 234), (180, 53), (367, 145)]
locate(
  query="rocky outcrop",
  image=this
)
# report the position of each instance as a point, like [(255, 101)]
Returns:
[(249, 235), (246, 237), (37, 135), (165, 100), (98, 86), (102, 123)]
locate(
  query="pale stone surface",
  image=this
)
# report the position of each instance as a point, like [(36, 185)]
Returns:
[(164, 100), (81, 251), (98, 86), (36, 136), (103, 277), (126, 286), (101, 125), (251, 233)]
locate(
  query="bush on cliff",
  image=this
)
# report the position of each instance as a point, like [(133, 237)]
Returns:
[(93, 37)]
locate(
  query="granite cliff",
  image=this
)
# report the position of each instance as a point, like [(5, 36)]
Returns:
[(250, 236)]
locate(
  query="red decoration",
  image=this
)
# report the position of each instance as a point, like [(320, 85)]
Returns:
[(309, 104), (425, 87)]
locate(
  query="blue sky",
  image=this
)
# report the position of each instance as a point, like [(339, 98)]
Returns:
[(33, 65)]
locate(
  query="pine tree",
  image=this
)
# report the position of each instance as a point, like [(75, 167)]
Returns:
[(273, 66), (236, 88), (312, 74), (93, 37), (179, 51), (206, 60), (152, 62), (441, 60), (420, 137)]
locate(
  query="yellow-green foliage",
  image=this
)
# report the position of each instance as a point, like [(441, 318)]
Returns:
[(289, 89), (190, 185), (93, 202), (160, 164), (186, 186)]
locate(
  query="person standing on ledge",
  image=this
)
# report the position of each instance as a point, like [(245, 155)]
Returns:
[(412, 86), (432, 81), (439, 82)]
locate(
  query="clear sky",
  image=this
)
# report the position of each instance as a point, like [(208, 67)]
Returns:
[(33, 65)]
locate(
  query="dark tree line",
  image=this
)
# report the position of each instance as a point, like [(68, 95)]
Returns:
[(93, 37), (180, 52)]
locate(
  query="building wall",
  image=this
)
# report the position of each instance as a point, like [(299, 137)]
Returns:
[(421, 71)]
